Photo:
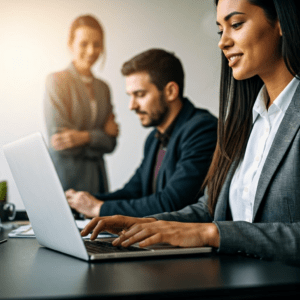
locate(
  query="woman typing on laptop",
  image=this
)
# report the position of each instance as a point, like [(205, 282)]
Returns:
[(251, 204)]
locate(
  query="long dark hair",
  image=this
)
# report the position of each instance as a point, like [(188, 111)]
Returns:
[(237, 97)]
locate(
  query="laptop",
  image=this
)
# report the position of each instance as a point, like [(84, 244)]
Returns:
[(50, 214)]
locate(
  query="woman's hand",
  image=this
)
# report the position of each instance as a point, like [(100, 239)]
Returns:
[(149, 231), (174, 233), (114, 224), (69, 138), (111, 127)]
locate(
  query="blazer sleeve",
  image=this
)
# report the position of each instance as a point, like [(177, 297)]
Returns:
[(195, 213), (99, 139), (276, 240), (57, 110), (197, 145), (57, 105), (131, 190), (279, 241)]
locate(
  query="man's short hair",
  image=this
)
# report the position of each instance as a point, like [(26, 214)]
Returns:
[(162, 67)]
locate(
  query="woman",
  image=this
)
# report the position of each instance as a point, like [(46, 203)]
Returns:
[(252, 199), (78, 112)]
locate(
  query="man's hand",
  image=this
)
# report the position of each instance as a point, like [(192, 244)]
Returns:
[(69, 138), (84, 203), (114, 224), (111, 127)]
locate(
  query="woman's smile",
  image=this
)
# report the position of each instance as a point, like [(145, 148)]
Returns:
[(233, 59)]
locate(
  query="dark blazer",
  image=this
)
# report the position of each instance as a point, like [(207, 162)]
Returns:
[(67, 104), (181, 174), (275, 231)]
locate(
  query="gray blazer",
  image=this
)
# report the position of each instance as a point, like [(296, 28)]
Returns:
[(275, 231), (66, 104)]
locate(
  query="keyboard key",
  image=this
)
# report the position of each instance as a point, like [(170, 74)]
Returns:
[(107, 247)]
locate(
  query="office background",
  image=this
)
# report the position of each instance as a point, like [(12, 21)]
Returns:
[(33, 43)]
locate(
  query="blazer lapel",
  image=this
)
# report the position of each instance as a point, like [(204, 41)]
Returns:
[(149, 165), (185, 114), (82, 100), (102, 107), (283, 138), (223, 200)]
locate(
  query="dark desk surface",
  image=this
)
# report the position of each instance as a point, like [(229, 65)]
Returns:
[(29, 271)]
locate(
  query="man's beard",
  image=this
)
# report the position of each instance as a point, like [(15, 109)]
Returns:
[(158, 117)]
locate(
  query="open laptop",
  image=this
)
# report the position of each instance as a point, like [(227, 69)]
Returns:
[(50, 214)]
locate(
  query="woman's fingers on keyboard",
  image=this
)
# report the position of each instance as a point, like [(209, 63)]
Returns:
[(113, 224), (90, 226), (135, 234)]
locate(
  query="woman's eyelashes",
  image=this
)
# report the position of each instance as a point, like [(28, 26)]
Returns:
[(237, 25), (234, 26)]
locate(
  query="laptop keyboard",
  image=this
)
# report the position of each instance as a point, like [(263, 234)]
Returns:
[(107, 247)]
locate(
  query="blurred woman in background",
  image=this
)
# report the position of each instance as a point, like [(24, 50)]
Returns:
[(78, 111)]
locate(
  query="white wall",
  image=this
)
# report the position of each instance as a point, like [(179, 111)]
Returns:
[(33, 39)]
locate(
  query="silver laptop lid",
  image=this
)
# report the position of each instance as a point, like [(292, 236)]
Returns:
[(43, 196)]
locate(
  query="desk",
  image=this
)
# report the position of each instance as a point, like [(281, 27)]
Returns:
[(28, 271)]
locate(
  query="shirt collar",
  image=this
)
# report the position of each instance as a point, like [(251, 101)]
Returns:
[(164, 138), (282, 102)]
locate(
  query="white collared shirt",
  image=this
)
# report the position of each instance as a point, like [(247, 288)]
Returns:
[(265, 125)]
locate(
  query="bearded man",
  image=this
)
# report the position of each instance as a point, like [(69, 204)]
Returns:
[(177, 153)]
